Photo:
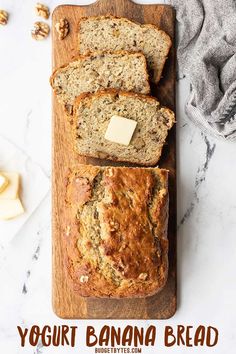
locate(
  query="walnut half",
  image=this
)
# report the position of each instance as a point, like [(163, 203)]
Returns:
[(42, 10), (3, 17), (40, 31), (62, 28)]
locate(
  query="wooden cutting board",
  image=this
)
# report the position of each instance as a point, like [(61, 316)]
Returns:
[(66, 304)]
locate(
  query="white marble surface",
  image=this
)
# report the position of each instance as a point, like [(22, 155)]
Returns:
[(206, 206)]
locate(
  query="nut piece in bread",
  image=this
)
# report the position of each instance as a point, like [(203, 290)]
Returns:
[(40, 31), (42, 11)]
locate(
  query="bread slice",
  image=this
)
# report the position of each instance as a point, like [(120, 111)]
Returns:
[(113, 33), (92, 114), (120, 70), (116, 236)]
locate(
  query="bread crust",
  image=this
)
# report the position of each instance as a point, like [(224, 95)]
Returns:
[(127, 255), (113, 93), (112, 17)]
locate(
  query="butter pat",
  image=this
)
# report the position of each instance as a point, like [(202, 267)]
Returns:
[(120, 130), (3, 182), (10, 209), (12, 189)]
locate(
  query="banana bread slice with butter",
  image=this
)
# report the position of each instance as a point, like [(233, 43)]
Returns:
[(119, 70), (114, 33), (116, 235), (92, 115)]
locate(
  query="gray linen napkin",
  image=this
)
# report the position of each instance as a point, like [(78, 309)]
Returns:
[(207, 55)]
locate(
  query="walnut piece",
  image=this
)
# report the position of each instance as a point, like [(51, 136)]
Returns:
[(114, 226), (116, 33), (3, 17), (84, 279), (40, 31), (69, 109), (62, 28), (42, 10)]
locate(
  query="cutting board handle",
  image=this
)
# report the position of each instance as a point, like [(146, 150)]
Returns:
[(118, 7), (116, 2)]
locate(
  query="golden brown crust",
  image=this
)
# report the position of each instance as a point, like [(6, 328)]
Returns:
[(114, 92), (109, 16), (117, 231)]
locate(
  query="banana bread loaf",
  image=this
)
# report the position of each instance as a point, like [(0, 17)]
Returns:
[(113, 33), (120, 70), (116, 237), (92, 115)]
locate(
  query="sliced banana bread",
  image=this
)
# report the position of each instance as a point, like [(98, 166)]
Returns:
[(120, 70), (92, 115), (116, 237), (112, 33)]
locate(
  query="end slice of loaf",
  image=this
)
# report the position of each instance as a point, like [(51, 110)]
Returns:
[(112, 33), (119, 70), (117, 219), (92, 114)]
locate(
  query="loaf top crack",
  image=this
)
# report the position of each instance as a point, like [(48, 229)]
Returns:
[(116, 238), (113, 33), (120, 70)]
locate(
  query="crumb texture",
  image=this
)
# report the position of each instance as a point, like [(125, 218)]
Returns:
[(93, 114), (111, 33), (117, 242), (122, 70), (42, 11)]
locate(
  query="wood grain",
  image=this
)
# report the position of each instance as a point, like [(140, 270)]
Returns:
[(66, 304)]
